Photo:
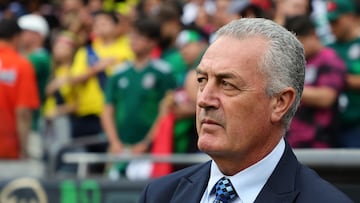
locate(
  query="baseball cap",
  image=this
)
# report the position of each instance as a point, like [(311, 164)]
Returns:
[(187, 36), (34, 23), (336, 8)]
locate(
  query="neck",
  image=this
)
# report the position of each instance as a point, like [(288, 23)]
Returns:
[(31, 48), (6, 42), (231, 164), (64, 63), (141, 61), (108, 40)]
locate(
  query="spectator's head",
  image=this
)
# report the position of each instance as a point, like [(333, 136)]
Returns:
[(342, 18), (191, 45), (304, 28), (35, 31), (169, 16), (94, 6), (338, 8), (145, 36), (34, 23), (148, 7), (105, 25), (64, 47), (9, 28)]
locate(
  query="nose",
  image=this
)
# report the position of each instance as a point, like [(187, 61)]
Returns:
[(207, 97)]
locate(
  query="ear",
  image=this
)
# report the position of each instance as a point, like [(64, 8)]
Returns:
[(281, 104)]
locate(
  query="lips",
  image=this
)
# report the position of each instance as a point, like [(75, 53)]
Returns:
[(209, 121)]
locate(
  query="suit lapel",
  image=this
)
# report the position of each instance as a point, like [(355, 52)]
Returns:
[(280, 187), (190, 189)]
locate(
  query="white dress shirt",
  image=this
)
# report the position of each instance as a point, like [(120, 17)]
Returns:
[(248, 182)]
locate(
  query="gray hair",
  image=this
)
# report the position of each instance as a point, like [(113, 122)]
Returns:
[(284, 61)]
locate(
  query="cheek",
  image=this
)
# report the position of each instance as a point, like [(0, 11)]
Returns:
[(247, 114)]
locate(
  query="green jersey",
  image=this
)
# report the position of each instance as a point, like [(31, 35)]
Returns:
[(41, 61), (177, 63), (350, 53), (135, 95)]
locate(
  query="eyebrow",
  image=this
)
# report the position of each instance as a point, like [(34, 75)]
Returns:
[(218, 75), (198, 71)]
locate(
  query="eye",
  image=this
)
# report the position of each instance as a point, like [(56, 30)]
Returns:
[(201, 81), (227, 86)]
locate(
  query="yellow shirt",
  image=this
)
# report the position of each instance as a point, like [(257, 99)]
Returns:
[(89, 95), (66, 92)]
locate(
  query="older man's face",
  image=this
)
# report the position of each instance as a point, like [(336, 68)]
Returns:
[(233, 111)]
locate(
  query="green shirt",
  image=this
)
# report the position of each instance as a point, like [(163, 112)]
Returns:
[(135, 95), (177, 63), (350, 53), (41, 61)]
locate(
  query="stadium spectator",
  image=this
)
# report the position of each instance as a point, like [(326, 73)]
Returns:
[(35, 31), (134, 92), (91, 66), (60, 102), (315, 124), (169, 16), (75, 17), (18, 93), (344, 26)]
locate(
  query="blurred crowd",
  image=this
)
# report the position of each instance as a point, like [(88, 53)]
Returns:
[(118, 76)]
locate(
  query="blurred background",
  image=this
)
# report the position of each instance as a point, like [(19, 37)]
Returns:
[(107, 99)]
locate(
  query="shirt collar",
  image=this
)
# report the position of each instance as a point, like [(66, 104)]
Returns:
[(249, 182)]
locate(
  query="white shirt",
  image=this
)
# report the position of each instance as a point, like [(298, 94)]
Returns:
[(248, 182)]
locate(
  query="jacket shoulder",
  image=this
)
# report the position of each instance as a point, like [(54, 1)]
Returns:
[(312, 188), (162, 189)]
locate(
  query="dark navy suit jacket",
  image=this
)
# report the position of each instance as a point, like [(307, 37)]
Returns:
[(290, 182)]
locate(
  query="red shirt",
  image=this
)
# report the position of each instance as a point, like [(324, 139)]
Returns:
[(17, 89)]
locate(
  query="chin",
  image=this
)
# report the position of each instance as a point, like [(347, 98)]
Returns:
[(208, 145)]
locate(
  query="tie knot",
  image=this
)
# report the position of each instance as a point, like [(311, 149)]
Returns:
[(224, 191)]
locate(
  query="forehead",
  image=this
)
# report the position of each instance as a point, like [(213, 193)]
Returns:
[(233, 54)]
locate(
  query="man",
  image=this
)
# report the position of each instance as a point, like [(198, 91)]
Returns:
[(134, 93), (314, 124), (35, 30), (169, 16), (32, 45), (18, 93), (344, 25), (250, 84)]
